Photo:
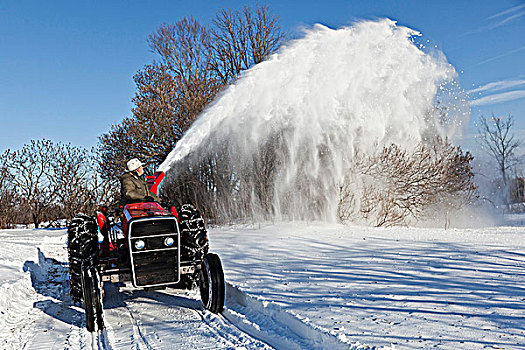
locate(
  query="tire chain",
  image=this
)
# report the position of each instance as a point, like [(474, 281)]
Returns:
[(82, 251), (193, 232)]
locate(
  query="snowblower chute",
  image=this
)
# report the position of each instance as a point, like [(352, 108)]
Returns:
[(154, 181)]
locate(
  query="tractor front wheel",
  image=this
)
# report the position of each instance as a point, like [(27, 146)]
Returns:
[(211, 283)]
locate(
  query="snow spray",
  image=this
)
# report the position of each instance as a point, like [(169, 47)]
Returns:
[(326, 95)]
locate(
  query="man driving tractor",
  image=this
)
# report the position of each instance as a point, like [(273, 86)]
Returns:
[(134, 187), (149, 246)]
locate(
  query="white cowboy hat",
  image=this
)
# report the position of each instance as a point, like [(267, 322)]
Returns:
[(134, 164)]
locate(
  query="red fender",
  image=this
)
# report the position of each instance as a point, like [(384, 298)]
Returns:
[(174, 212), (102, 222), (103, 228)]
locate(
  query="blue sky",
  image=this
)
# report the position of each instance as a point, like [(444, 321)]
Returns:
[(66, 67)]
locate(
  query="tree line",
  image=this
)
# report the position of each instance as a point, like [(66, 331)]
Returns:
[(49, 182)]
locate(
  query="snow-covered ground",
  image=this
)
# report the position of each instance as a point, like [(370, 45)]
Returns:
[(37, 313), (415, 288), (290, 286)]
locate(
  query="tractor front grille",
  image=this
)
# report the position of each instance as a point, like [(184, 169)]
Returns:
[(155, 264), (156, 268)]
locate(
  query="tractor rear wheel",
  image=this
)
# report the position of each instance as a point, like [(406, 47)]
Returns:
[(211, 283), (194, 237), (82, 250)]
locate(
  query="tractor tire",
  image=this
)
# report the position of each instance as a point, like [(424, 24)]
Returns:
[(92, 298), (82, 251), (194, 237), (211, 283)]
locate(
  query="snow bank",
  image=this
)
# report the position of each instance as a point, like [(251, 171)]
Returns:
[(280, 328)]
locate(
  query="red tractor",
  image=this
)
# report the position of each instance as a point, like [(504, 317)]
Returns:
[(147, 245)]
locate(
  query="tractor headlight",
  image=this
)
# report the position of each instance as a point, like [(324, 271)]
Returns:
[(140, 244), (168, 242)]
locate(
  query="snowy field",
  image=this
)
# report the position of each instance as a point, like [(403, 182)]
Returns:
[(290, 286), (414, 288)]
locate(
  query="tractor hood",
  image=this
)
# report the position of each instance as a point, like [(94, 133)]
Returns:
[(139, 210)]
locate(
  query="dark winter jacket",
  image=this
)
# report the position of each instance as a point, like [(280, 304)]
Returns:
[(134, 188)]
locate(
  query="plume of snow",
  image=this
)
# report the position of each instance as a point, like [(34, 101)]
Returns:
[(328, 94)]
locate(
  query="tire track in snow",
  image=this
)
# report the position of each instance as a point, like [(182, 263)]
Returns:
[(129, 334), (143, 320), (99, 340), (230, 332), (138, 333)]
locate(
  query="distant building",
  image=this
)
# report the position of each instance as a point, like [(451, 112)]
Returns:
[(517, 190)]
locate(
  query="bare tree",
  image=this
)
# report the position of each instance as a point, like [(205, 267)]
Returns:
[(151, 133), (242, 39), (497, 139), (396, 186), (7, 195), (239, 40), (69, 176), (169, 96), (31, 167), (185, 51), (79, 188), (5, 175)]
